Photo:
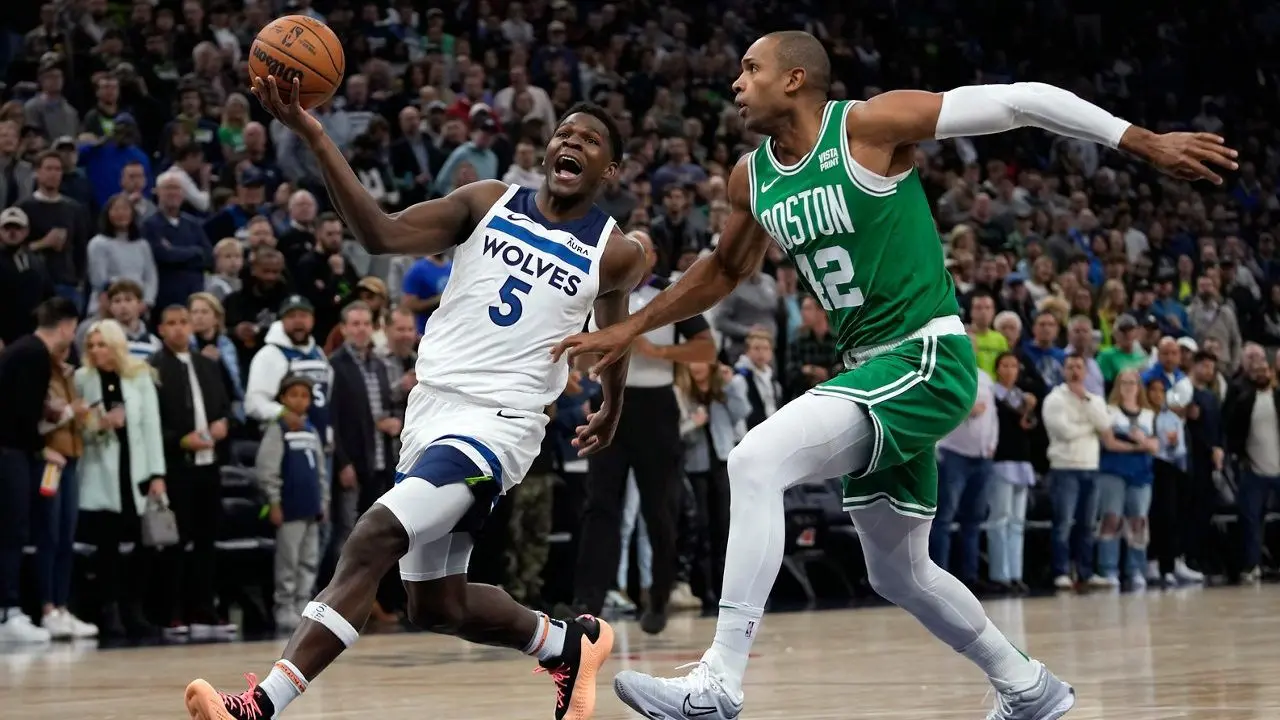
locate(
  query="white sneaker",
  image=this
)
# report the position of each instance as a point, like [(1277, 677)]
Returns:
[(58, 624), (616, 600), (700, 695), (1138, 583), (221, 631), (1186, 574), (1063, 582), (19, 629), (1104, 581), (1253, 575), (80, 629), (682, 598), (1170, 581), (1153, 572)]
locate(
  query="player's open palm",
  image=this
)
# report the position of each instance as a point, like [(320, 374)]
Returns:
[(1190, 155), (282, 103)]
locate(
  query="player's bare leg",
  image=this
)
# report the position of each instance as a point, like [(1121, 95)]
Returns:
[(480, 613)]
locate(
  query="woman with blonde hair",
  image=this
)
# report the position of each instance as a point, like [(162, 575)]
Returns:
[(1125, 474), (235, 116), (209, 338), (1112, 303), (122, 466)]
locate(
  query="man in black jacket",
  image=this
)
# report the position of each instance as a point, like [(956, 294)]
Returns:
[(26, 366), (194, 407), (1252, 429), (1204, 457)]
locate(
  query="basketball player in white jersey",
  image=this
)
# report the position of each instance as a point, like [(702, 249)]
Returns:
[(529, 268)]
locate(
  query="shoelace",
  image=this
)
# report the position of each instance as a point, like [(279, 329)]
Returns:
[(560, 676), (1003, 709), (700, 677), (244, 704)]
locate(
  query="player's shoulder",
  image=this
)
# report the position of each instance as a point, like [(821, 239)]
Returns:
[(481, 195)]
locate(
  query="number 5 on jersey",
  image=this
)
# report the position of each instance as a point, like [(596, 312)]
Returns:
[(510, 306), (833, 281)]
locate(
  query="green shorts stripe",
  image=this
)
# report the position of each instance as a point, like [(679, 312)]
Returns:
[(928, 363), (902, 508)]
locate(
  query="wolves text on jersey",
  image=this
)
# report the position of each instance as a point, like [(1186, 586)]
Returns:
[(521, 258)]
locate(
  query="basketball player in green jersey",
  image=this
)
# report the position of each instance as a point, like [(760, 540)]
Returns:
[(834, 186)]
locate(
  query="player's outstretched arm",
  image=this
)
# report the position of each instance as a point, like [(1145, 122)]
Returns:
[(903, 117), (423, 229), (742, 246)]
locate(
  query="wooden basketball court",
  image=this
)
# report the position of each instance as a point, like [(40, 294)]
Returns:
[(1202, 654)]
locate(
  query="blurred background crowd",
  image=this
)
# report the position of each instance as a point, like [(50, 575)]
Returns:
[(1126, 433)]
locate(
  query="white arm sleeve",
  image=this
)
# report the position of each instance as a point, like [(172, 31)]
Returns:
[(989, 109)]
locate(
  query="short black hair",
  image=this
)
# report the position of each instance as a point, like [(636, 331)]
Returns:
[(799, 49), (49, 155), (173, 307), (981, 292), (1203, 355), (53, 312), (599, 113)]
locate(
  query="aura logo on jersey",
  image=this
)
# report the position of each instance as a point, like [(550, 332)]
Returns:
[(529, 263), (809, 214)]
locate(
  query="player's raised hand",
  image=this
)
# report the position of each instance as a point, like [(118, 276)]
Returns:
[(597, 433), (610, 343), (1184, 155), (283, 104)]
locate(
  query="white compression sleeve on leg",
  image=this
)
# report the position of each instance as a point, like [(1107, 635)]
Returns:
[(330, 618), (988, 109)]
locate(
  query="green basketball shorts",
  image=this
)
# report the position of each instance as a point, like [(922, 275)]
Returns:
[(915, 394)]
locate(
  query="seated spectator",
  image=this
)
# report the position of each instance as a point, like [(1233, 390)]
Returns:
[(105, 161), (297, 237), (250, 196), (24, 280), (235, 118), (74, 183), (677, 230), (291, 472), (122, 468), (228, 263), (179, 245), (125, 305), (525, 170), (17, 177), (1211, 316), (49, 112), (119, 251)]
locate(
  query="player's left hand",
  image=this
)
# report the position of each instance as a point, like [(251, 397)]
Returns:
[(1184, 155), (611, 343), (598, 432)]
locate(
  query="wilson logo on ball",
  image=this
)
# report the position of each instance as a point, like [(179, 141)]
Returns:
[(283, 72)]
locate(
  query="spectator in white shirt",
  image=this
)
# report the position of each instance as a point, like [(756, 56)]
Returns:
[(524, 171)]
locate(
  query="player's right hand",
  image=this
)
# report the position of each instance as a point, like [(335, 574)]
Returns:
[(288, 111), (610, 343)]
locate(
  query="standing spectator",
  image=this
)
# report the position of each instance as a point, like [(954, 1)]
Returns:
[(1080, 342), (476, 152), (58, 505), (193, 172), (230, 221), (17, 178), (990, 343), (504, 100), (327, 277), (253, 308), (1252, 428), (290, 349), (679, 170), (125, 306), (424, 285), (119, 251), (364, 422), (373, 293), (255, 156), (677, 232), (1042, 349), (647, 441), (964, 470), (24, 281), (764, 392), (26, 369), (1168, 366), (1013, 476), (414, 158), (104, 161), (133, 185), (1213, 317), (101, 120), (1125, 352), (291, 473), (716, 401), (74, 183), (228, 264), (60, 226), (402, 355), (1205, 456), (524, 171), (179, 245), (195, 410), (1124, 483), (235, 118), (209, 338), (297, 237), (49, 112), (1170, 482), (122, 470), (812, 358), (752, 304), (1075, 419)]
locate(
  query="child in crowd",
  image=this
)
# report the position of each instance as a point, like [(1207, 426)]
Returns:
[(291, 472), (228, 261)]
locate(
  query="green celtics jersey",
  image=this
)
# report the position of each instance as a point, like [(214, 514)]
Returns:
[(865, 246)]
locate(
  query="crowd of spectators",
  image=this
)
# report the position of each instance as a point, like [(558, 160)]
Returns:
[(1126, 322)]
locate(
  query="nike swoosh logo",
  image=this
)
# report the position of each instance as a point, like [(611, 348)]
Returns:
[(517, 217), (691, 710), (765, 187), (510, 417)]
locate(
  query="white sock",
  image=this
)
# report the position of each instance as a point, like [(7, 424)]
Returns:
[(1000, 660), (548, 638), (736, 630), (283, 685)]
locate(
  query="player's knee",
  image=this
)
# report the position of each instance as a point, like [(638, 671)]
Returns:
[(437, 612), (751, 467), (899, 583)]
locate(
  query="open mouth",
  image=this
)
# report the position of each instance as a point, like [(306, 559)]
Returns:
[(567, 167)]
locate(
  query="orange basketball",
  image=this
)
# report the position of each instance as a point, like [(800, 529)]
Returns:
[(302, 48)]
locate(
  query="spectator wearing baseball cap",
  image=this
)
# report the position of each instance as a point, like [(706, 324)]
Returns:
[(49, 112), (1126, 352), (289, 350), (104, 161), (476, 152), (250, 196), (24, 280)]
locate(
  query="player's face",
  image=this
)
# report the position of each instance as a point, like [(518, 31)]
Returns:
[(578, 157), (760, 91)]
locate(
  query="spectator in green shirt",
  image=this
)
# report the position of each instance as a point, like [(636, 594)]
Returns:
[(990, 343), (1125, 352)]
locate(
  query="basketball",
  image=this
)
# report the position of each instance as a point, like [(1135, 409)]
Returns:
[(297, 47)]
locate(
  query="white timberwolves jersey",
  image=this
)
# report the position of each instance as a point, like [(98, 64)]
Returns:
[(520, 284)]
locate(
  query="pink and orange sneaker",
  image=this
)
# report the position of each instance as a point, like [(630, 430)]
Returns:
[(205, 703), (587, 644)]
